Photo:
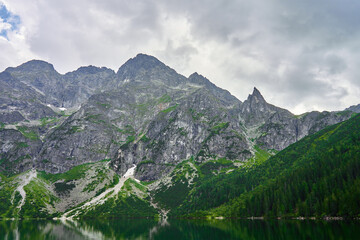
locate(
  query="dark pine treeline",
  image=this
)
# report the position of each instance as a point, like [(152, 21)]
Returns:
[(317, 176)]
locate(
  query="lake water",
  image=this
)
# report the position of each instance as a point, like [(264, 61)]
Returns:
[(179, 229)]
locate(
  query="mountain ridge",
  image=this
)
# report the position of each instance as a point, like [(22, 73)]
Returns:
[(149, 113)]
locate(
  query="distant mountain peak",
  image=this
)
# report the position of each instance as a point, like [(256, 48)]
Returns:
[(256, 91), (354, 108), (144, 56), (37, 62), (195, 74), (92, 69), (141, 61), (35, 66), (198, 78), (146, 68), (256, 96)]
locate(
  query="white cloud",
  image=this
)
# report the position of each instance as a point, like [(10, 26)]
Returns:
[(4, 26)]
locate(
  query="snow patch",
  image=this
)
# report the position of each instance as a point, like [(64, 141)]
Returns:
[(130, 171)]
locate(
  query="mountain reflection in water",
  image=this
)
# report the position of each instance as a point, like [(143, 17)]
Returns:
[(178, 229)]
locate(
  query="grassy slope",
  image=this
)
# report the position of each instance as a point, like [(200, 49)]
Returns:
[(37, 200), (7, 187), (127, 203)]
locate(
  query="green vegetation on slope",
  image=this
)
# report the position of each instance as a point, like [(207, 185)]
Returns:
[(131, 201), (7, 188), (171, 195), (169, 109), (48, 120), (28, 133), (74, 173), (317, 176), (38, 197), (36, 201), (130, 206), (214, 166)]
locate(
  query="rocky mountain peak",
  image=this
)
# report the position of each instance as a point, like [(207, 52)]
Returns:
[(224, 95), (33, 66), (91, 69), (256, 96), (354, 108), (141, 62), (146, 68), (199, 79), (256, 110), (194, 75)]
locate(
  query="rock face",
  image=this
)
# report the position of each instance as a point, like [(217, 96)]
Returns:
[(144, 114), (67, 90), (276, 128), (354, 108)]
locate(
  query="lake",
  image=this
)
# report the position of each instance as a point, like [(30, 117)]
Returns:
[(179, 229)]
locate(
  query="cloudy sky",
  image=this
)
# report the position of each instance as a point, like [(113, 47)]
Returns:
[(302, 55)]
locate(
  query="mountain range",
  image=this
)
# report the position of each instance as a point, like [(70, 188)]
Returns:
[(74, 139)]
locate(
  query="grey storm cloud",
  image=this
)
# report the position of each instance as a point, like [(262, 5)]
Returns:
[(302, 55)]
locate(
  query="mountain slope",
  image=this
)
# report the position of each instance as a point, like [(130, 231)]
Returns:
[(83, 191), (317, 176), (354, 108)]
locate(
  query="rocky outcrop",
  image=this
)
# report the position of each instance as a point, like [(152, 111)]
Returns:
[(276, 128), (354, 108), (18, 152)]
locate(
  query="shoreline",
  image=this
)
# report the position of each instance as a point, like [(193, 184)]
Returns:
[(328, 218)]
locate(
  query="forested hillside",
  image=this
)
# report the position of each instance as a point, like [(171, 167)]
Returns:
[(317, 176)]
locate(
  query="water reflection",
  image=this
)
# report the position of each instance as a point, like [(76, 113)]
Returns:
[(178, 229)]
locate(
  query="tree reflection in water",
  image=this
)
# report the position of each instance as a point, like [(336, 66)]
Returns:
[(178, 229)]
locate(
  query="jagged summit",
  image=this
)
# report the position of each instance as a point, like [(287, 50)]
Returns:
[(256, 110), (225, 95), (146, 68), (256, 92), (140, 62), (256, 96), (91, 69), (354, 108), (199, 79), (195, 74), (143, 56), (33, 66)]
